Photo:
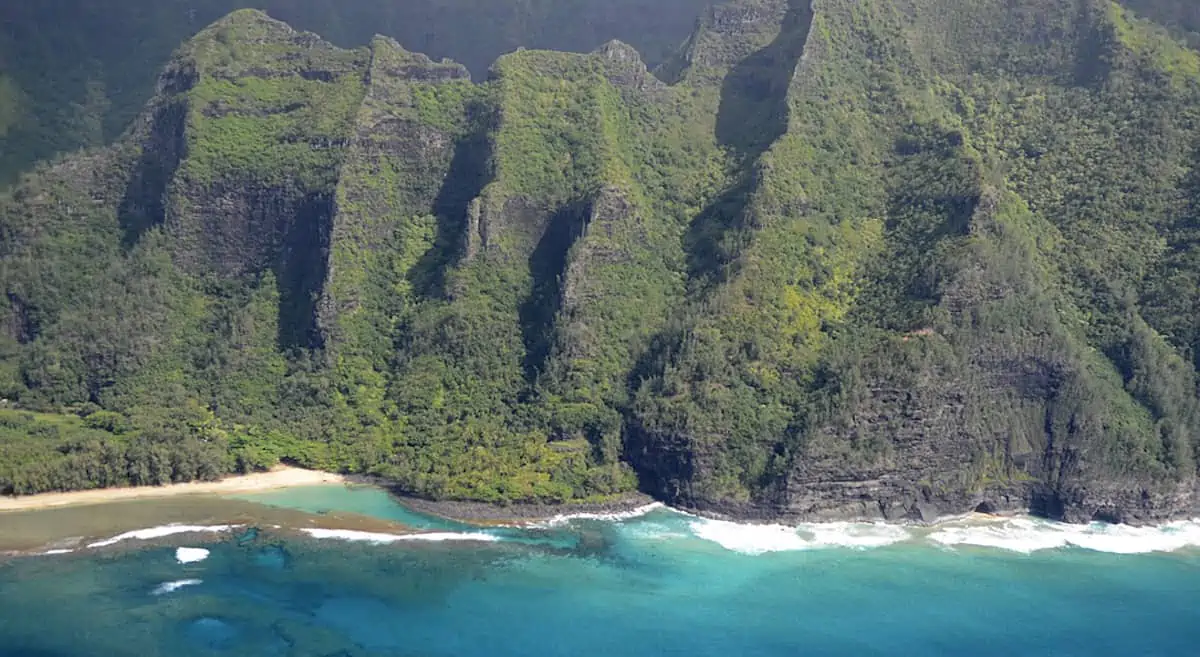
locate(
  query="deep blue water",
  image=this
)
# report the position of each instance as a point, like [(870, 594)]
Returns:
[(660, 584)]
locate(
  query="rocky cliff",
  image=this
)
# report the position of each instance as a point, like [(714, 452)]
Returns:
[(70, 84), (927, 268), (833, 259)]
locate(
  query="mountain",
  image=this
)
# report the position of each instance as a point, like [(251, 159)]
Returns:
[(831, 260), (1182, 18), (74, 73)]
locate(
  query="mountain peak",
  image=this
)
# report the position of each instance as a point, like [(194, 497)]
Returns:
[(249, 42), (625, 67), (619, 51), (390, 56), (246, 25)]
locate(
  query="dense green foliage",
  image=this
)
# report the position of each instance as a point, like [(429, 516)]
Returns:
[(1181, 18), (893, 241), (103, 449), (938, 251), (73, 83)]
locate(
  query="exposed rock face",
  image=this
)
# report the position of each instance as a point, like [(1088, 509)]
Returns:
[(163, 147), (963, 408), (625, 68), (836, 260), (235, 220), (730, 33)]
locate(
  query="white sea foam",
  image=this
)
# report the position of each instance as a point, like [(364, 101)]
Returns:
[(620, 516), (654, 531), (372, 537), (1133, 540), (860, 535), (160, 532), (1028, 535), (1015, 535), (761, 539), (749, 539), (450, 536), (190, 555), (53, 552), (171, 587)]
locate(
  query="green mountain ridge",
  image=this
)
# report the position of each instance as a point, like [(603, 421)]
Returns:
[(78, 83), (832, 260)]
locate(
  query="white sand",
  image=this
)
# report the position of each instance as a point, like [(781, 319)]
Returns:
[(281, 477)]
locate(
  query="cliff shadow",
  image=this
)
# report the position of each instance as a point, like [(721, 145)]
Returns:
[(470, 171), (547, 265), (934, 195), (1095, 50), (753, 115), (144, 204), (1172, 304), (710, 241), (753, 112), (301, 271)]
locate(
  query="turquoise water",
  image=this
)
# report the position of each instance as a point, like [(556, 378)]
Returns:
[(363, 500), (659, 584)]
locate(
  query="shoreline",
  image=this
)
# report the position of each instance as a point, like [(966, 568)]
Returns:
[(482, 514), (283, 477), (485, 513), (476, 513), (68, 522), (277, 478)]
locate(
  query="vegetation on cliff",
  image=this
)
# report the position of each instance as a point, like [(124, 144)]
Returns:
[(75, 73), (834, 259)]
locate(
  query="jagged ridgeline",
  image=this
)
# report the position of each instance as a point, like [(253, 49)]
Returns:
[(834, 259), (78, 83)]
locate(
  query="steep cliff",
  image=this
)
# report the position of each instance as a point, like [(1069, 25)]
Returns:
[(942, 295), (833, 259), (78, 83)]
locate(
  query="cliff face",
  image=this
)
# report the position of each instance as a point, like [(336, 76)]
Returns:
[(835, 259), (66, 85), (923, 311)]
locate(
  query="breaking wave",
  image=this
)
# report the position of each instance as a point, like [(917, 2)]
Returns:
[(160, 532), (620, 516), (762, 539), (1028, 535), (1021, 534), (171, 587), (373, 537)]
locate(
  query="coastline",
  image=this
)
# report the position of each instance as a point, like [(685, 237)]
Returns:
[(282, 477), (65, 523), (54, 523), (484, 513), (276, 478), (476, 513)]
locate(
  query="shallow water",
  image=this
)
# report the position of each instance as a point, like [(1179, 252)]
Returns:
[(660, 584), (362, 500), (70, 527)]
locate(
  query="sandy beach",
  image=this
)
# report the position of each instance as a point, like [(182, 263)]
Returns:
[(280, 477)]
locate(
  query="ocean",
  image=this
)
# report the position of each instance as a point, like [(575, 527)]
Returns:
[(655, 582)]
